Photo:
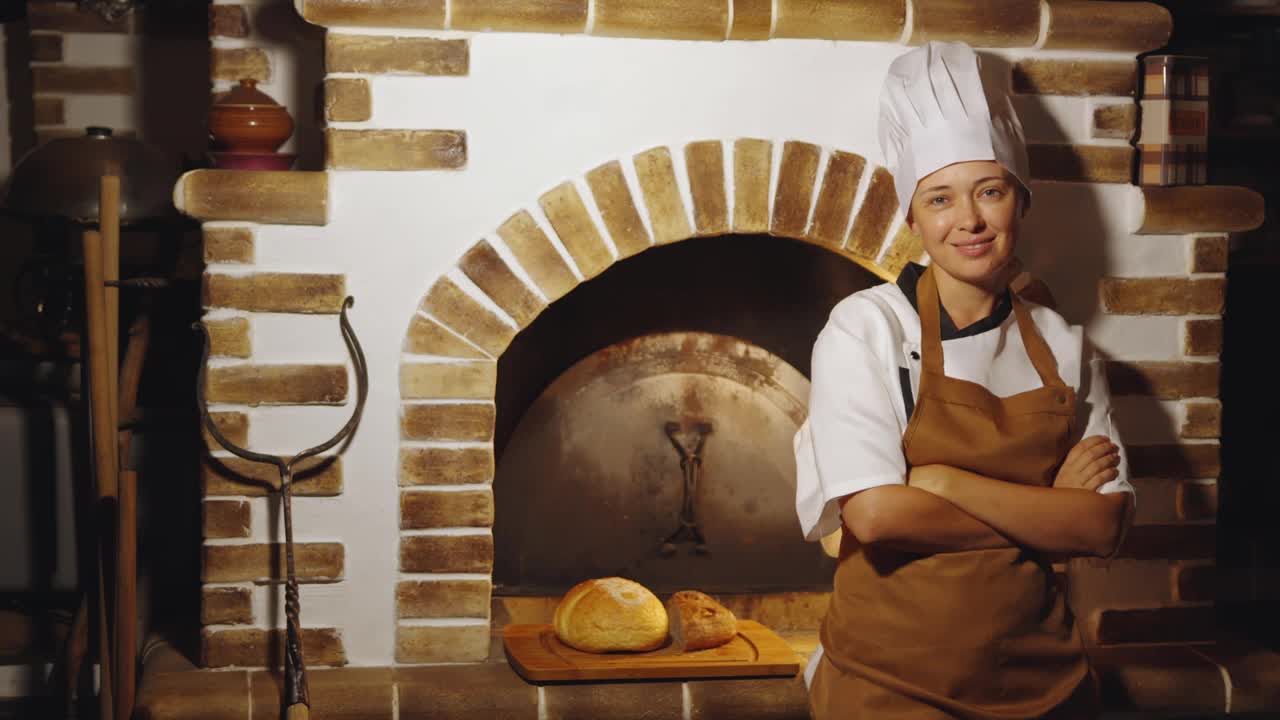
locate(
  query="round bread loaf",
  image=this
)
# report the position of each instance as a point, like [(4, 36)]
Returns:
[(609, 615), (698, 622)]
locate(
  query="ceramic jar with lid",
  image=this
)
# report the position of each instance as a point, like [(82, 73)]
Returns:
[(247, 120)]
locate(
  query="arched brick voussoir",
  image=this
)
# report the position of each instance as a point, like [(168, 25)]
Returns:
[(485, 267), (875, 216), (535, 253), (662, 197), (793, 196), (835, 198), (622, 220), (458, 311)]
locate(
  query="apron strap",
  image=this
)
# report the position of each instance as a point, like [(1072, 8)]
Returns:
[(1037, 349)]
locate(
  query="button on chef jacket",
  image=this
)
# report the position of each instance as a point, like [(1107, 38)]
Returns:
[(865, 374)]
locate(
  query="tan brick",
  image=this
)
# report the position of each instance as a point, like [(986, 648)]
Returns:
[(666, 208), (1209, 254), (226, 519), (1081, 163), (239, 63), (1074, 77), (347, 100), (361, 13), (617, 208), (1002, 23), (229, 337), (1131, 27), (438, 644), (752, 19), (599, 700), (232, 476), (443, 598), (347, 692), (556, 16), (906, 247), (66, 17), (1203, 337), (1118, 122), (483, 266), (428, 337), (275, 292), (1204, 420), (228, 21), (705, 162), (835, 198), (577, 231), (81, 80), (420, 509), (1183, 461), (277, 384), (256, 647), (286, 197), (489, 690), (1163, 380), (446, 553), (233, 425), (1169, 541), (1159, 676), (1199, 208), (1163, 296), (228, 244), (874, 216), (796, 177), (1194, 581), (194, 695), (1152, 625), (783, 698), (49, 111), (880, 20), (446, 466), (1197, 501), (387, 55), (466, 316), (674, 19), (226, 606), (462, 422), (539, 258), (395, 149), (46, 48), (454, 381), (262, 562), (752, 165)]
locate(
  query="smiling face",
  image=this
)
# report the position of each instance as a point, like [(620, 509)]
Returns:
[(967, 216)]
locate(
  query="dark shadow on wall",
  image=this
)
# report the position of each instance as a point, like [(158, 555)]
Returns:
[(279, 25)]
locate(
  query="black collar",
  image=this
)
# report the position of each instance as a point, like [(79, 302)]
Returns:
[(907, 281)]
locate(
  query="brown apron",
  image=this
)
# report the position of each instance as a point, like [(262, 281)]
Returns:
[(982, 634)]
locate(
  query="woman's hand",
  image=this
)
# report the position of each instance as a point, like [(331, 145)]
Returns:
[(1093, 462)]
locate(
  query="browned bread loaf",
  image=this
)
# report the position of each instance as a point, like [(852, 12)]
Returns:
[(611, 614), (699, 622)]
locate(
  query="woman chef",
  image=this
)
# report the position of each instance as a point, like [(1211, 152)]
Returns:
[(958, 437)]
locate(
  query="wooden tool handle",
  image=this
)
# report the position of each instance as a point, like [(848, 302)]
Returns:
[(297, 712)]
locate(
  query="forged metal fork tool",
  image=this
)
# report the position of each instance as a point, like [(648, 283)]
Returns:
[(689, 444)]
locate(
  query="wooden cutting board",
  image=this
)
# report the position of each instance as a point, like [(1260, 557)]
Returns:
[(536, 653)]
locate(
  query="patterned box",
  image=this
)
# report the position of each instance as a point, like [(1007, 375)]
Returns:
[(1173, 143)]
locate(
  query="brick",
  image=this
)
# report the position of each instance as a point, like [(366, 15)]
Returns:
[(228, 244), (490, 691), (457, 380), (286, 197), (388, 55), (275, 292), (557, 16), (875, 20), (1194, 581), (1203, 338), (49, 111), (1131, 27), (421, 509), (617, 208), (796, 177), (235, 64), (1209, 254), (539, 258), (1164, 677), (662, 198), (226, 606), (1117, 122), (752, 20), (228, 21), (362, 13), (1163, 296), (1081, 163), (466, 316), (439, 644), (1254, 672), (1203, 421), (193, 695), (428, 337), (229, 337), (1197, 501), (835, 198), (46, 48), (620, 701), (82, 80), (232, 476), (225, 519), (262, 562), (754, 699), (256, 647), (66, 17), (277, 385), (446, 466), (577, 231), (446, 553), (347, 100), (443, 598), (461, 422), (483, 266), (874, 216), (752, 164), (395, 149), (233, 425), (348, 692), (1170, 541), (1074, 77), (671, 19), (705, 163), (1002, 23), (906, 247), (1153, 625), (1201, 460), (1198, 208), (1163, 380)]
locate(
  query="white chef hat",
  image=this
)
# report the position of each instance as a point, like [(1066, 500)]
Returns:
[(935, 111)]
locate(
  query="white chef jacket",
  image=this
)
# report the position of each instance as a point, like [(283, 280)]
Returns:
[(865, 376)]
